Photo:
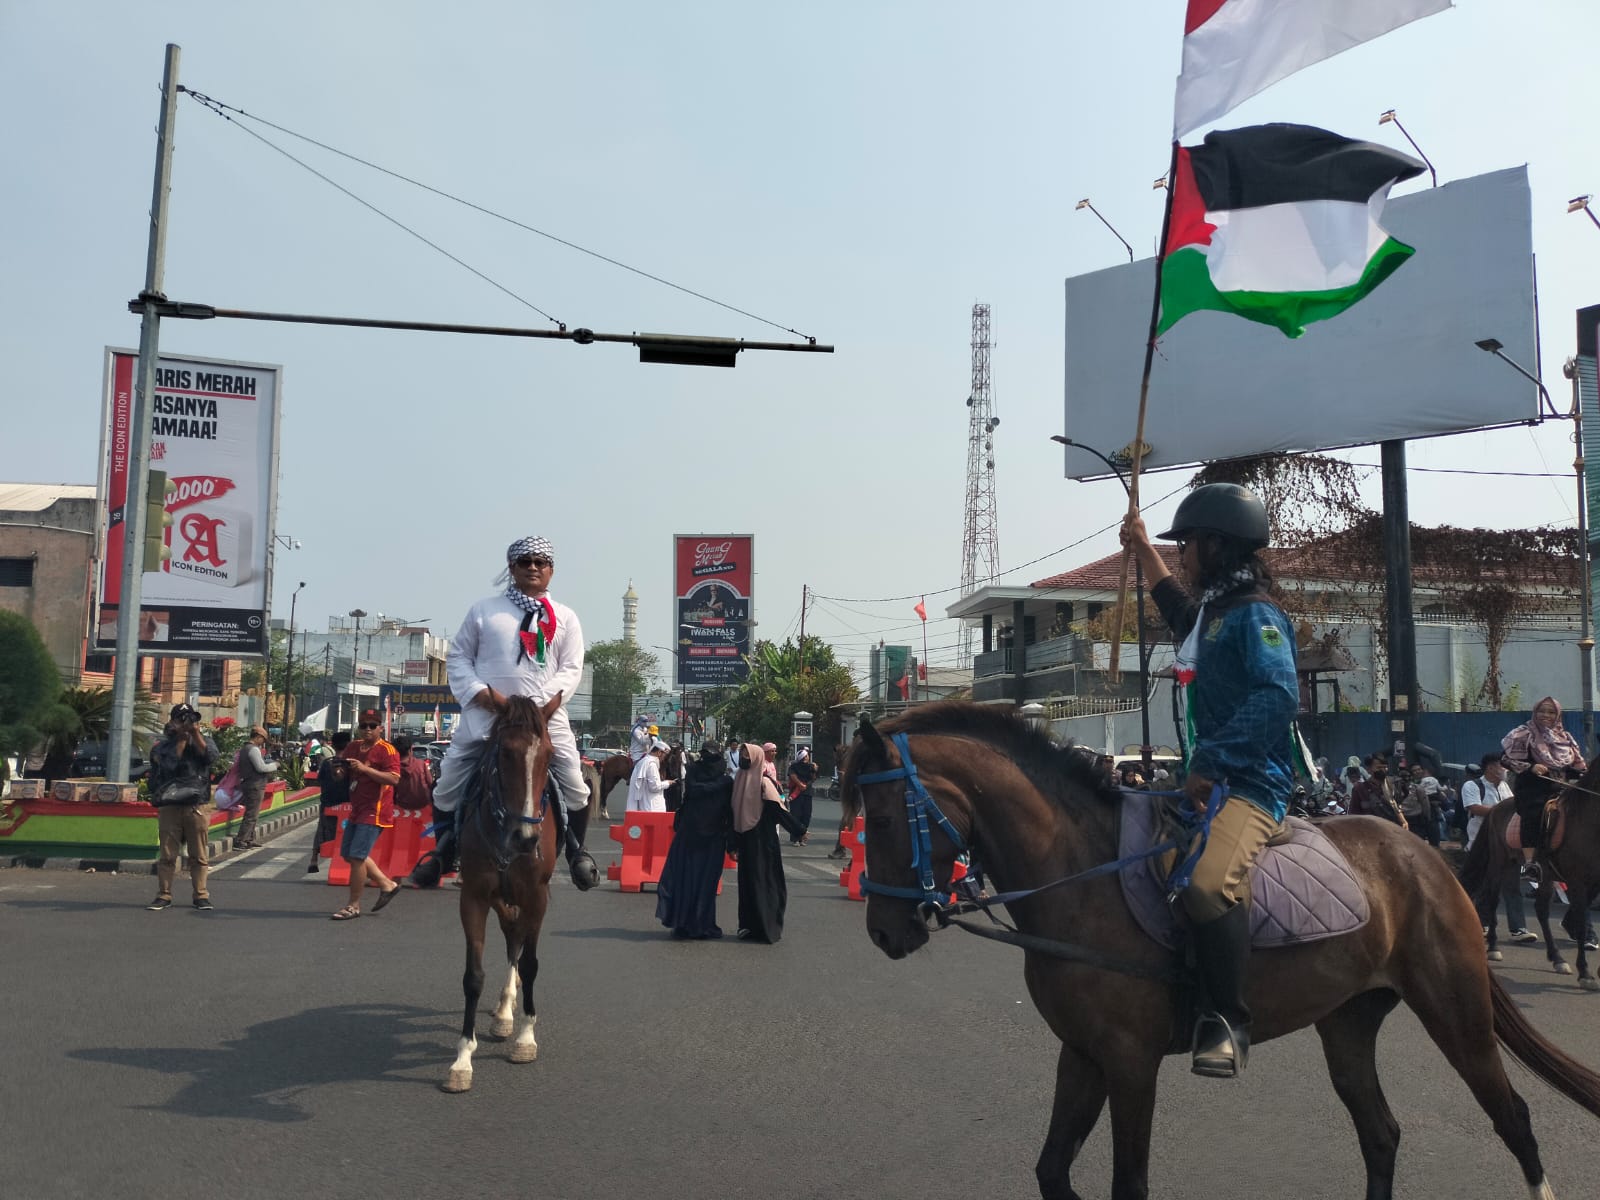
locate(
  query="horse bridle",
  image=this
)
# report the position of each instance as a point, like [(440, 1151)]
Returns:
[(492, 798), (920, 806)]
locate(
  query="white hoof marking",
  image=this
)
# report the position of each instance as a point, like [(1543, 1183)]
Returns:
[(1541, 1191), (525, 1049), (460, 1077), (1563, 968)]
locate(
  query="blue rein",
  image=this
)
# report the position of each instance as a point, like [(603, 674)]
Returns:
[(920, 807)]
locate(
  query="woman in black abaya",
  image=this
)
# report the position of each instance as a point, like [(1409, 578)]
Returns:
[(758, 810), (686, 897)]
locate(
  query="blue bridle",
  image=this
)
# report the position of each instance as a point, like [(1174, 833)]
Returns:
[(920, 807)]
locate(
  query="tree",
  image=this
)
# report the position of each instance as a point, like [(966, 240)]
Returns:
[(621, 672), (785, 680), (84, 714), (29, 686), (297, 678)]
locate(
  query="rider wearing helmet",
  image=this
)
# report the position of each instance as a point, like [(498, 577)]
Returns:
[(1237, 665)]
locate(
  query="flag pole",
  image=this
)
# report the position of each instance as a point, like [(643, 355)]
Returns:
[(1114, 675), (923, 605)]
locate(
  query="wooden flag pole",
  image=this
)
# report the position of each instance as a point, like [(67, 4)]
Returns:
[(1114, 674)]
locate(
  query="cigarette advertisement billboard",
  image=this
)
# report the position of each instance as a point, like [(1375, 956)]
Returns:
[(213, 495), (713, 575)]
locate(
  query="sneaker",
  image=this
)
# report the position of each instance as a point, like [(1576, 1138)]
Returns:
[(1524, 937), (1591, 942), (203, 903), (837, 852), (159, 903)]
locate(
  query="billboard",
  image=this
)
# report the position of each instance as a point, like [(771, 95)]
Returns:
[(1400, 364), (1586, 379), (213, 496), (712, 577)]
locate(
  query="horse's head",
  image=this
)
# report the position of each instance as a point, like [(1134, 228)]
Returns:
[(901, 791), (521, 738), (672, 765)]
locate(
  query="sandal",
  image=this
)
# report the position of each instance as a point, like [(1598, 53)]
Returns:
[(348, 913), (386, 897)]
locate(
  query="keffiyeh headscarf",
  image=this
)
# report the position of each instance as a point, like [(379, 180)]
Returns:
[(539, 622), (1183, 665)]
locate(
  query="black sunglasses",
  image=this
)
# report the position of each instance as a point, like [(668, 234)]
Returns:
[(528, 561), (366, 726)]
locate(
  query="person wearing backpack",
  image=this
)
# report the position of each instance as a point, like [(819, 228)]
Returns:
[(254, 771), (414, 792), (333, 785)]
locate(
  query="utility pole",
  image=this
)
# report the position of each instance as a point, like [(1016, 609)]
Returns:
[(1403, 693), (124, 685), (805, 592)]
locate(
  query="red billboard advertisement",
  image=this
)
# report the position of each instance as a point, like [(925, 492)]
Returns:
[(713, 576)]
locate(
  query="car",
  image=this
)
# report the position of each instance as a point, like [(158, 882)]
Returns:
[(428, 752), (89, 762), (598, 754)]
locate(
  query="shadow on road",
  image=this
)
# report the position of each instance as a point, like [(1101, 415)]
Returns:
[(262, 1075), (178, 905), (616, 935)]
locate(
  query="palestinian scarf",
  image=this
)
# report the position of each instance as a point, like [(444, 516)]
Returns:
[(1189, 653), (538, 627), (1533, 743)]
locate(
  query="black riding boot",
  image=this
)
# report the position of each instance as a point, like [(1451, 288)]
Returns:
[(585, 871), (1222, 1033), (441, 860)]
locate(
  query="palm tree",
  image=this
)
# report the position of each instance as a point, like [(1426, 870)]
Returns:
[(84, 715)]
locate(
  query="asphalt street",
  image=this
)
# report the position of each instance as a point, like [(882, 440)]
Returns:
[(262, 1050)]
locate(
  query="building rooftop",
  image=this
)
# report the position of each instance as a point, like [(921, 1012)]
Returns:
[(36, 497)]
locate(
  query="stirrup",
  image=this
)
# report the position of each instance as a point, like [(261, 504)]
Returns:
[(585, 871), (1219, 1057)]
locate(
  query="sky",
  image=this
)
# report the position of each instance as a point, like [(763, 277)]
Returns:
[(861, 173)]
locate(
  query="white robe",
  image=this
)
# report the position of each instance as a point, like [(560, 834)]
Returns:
[(484, 654), (639, 743), (647, 791)]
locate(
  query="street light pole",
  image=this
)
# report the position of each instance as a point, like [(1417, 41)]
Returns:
[(1146, 750), (288, 669), (355, 654)]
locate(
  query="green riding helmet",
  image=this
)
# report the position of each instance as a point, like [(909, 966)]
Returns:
[(1225, 508)]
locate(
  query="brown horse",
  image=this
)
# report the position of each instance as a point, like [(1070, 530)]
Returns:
[(508, 852), (619, 767), (1490, 866), (1036, 812)]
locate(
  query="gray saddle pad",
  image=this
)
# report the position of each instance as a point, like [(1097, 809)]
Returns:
[(1300, 891)]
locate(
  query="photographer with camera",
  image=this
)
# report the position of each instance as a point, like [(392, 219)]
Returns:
[(180, 787)]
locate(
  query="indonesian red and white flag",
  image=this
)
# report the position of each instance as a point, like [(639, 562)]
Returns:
[(1233, 49)]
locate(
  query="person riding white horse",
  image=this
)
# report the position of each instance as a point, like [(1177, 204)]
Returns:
[(518, 642)]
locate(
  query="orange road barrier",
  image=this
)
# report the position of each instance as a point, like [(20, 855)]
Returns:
[(398, 849), (645, 837), (855, 841)]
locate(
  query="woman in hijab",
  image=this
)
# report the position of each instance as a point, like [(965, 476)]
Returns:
[(758, 810), (1539, 754), (686, 897)]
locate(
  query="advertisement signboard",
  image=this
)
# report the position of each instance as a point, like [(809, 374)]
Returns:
[(213, 497), (713, 576)]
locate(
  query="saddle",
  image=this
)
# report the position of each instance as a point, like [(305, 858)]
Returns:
[(1555, 825), (1301, 888)]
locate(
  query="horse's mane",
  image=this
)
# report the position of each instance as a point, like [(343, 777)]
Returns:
[(1049, 764)]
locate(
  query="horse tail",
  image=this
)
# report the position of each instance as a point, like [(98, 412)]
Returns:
[(1525, 1044), (1474, 873)]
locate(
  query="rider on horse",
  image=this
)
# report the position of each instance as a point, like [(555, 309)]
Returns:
[(518, 642), (1237, 665)]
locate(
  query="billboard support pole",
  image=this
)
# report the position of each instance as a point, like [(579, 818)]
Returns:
[(124, 685), (1403, 693)]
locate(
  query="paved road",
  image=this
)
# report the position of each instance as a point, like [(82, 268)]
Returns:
[(264, 1051)]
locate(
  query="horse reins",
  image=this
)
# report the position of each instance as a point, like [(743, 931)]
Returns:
[(491, 807)]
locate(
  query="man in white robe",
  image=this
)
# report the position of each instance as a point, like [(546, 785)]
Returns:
[(639, 739), (647, 791), (518, 642)]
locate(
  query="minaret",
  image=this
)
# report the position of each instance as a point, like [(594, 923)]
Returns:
[(630, 615)]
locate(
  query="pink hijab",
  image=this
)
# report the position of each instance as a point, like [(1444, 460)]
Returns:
[(751, 788), (1532, 743)]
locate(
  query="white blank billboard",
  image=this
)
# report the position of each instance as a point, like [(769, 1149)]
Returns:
[(1402, 363)]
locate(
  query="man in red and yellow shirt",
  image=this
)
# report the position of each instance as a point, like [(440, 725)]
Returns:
[(374, 770)]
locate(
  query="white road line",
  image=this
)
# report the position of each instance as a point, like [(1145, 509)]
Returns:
[(299, 837)]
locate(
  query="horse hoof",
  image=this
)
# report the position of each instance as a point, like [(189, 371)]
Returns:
[(524, 1052), (1589, 984), (502, 1029), (1563, 968), (459, 1081), (1496, 956)]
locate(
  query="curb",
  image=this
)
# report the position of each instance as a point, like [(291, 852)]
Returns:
[(215, 849)]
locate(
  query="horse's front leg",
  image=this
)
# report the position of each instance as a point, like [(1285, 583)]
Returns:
[(1541, 909), (526, 1048), (505, 1012), (460, 1077), (1578, 901), (1132, 1084), (1080, 1095)]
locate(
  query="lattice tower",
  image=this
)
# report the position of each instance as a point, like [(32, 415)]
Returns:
[(980, 538)]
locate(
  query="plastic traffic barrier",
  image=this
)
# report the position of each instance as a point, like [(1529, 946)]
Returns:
[(398, 849), (646, 837), (855, 841)]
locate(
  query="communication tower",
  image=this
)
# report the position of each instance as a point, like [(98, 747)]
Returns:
[(980, 539)]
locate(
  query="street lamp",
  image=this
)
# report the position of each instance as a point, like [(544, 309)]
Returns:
[(288, 669), (1084, 203), (1581, 204), (355, 653), (1145, 749), (1387, 118), (1585, 631)]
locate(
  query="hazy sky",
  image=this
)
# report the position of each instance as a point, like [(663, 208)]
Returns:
[(860, 172)]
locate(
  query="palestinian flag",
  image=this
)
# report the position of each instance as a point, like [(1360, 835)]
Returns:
[(1233, 49), (1279, 224)]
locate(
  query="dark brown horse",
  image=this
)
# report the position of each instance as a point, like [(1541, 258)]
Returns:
[(619, 767), (1036, 812), (1491, 866), (508, 852)]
